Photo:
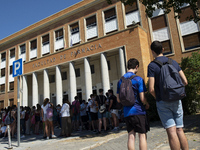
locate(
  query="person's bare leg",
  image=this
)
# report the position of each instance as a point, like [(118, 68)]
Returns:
[(104, 123), (100, 124), (182, 139), (173, 138), (142, 141), (114, 119), (51, 126), (131, 140), (46, 128)]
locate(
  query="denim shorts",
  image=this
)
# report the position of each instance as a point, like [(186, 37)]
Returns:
[(101, 115), (170, 113), (76, 117)]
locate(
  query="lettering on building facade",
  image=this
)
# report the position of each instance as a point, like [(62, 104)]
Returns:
[(73, 54)]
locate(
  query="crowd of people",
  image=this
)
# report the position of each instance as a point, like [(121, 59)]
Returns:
[(77, 116)]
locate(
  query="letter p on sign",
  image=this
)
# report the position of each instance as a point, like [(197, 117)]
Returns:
[(17, 68)]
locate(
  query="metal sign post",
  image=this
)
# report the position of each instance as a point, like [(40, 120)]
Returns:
[(17, 72)]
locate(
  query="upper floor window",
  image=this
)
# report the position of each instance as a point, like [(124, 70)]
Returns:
[(45, 40), (110, 20), (110, 14), (91, 24), (11, 69), (3, 72), (2, 88), (3, 56), (74, 28), (189, 29), (12, 53), (11, 86), (33, 44), (23, 49), (59, 34), (132, 14), (161, 31)]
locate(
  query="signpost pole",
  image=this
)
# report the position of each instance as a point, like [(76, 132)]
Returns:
[(18, 111)]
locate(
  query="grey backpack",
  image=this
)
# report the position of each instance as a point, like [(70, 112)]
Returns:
[(126, 93), (170, 83)]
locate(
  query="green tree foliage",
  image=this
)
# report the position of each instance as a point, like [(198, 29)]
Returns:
[(166, 5), (191, 68)]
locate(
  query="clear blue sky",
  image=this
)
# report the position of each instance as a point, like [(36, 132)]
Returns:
[(18, 14)]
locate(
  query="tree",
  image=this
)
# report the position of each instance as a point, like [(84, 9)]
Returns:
[(190, 66), (166, 5)]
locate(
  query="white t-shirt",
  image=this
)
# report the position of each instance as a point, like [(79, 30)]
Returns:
[(45, 108), (83, 110), (65, 110), (94, 107)]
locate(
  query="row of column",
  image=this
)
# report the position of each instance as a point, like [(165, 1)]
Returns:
[(72, 80)]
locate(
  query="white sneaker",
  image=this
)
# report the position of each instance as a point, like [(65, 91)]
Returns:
[(47, 138), (23, 136), (53, 136)]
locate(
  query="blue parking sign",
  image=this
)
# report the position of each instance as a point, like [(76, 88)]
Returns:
[(17, 67)]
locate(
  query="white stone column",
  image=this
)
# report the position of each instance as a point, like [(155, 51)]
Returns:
[(35, 99), (88, 78), (105, 73), (46, 84), (122, 61), (59, 89), (72, 82), (25, 91)]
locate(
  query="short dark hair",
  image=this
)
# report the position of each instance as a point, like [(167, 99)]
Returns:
[(132, 63), (110, 91), (76, 97), (100, 90), (156, 46)]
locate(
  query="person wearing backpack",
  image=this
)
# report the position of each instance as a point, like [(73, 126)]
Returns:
[(112, 108), (101, 102), (161, 72), (130, 92)]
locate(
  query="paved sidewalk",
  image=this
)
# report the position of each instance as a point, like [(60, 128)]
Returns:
[(157, 139)]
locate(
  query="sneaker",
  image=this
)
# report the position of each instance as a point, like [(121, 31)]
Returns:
[(98, 132), (115, 129), (47, 138), (94, 131), (23, 136), (53, 136)]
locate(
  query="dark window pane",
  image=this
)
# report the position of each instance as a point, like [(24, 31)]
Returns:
[(186, 12), (11, 86), (33, 44), (110, 14), (64, 75), (167, 47), (12, 53), (159, 22), (92, 69), (3, 56), (45, 39), (191, 41), (3, 72), (11, 69), (131, 8), (77, 71)]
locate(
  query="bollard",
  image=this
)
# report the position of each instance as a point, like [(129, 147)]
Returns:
[(9, 138)]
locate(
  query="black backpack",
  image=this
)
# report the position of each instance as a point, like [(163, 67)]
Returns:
[(126, 93), (170, 83)]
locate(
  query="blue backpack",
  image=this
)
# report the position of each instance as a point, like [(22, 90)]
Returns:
[(170, 83)]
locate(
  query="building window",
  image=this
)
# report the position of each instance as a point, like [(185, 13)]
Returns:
[(3, 56), (3, 72), (91, 24), (11, 69), (23, 49), (189, 29), (12, 53), (59, 34), (75, 35), (132, 14), (52, 78), (2, 88), (64, 75), (45, 40), (92, 69), (161, 32), (33, 44), (108, 62), (11, 85), (110, 20), (77, 71)]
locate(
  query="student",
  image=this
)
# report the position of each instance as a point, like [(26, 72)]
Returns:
[(170, 113), (100, 101), (76, 113), (135, 116)]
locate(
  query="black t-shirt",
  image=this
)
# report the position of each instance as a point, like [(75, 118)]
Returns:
[(154, 71), (101, 99), (114, 98)]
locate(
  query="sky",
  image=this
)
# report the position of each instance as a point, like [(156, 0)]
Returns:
[(16, 15)]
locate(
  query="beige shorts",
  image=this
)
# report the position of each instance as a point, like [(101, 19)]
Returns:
[(114, 111)]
